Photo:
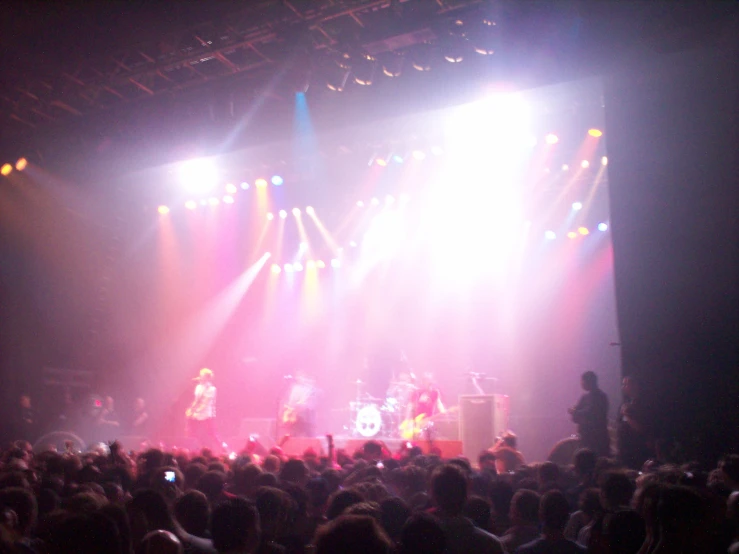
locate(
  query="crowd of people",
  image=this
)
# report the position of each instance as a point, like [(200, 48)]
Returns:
[(371, 501)]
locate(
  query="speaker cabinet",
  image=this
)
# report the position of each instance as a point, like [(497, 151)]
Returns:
[(481, 418)]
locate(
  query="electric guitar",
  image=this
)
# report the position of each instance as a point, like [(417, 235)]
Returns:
[(412, 428), (289, 415)]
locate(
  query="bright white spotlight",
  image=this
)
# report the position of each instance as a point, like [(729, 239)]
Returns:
[(191, 204), (353, 244), (277, 180), (213, 201), (245, 185), (283, 214), (270, 216), (228, 199), (360, 204), (398, 159), (577, 206), (198, 176), (276, 268), (565, 167), (163, 210), (585, 164), (389, 199), (604, 160), (289, 268), (296, 212), (437, 150), (602, 226), (311, 264), (335, 263), (320, 264), (375, 202), (550, 235), (204, 202), (303, 246), (419, 155), (310, 211), (298, 266), (231, 188)]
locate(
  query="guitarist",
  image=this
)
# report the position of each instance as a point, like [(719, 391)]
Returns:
[(201, 415), (425, 402), (298, 413)]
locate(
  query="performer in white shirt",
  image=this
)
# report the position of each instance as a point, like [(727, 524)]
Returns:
[(201, 415)]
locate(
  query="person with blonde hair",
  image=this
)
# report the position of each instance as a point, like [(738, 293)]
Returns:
[(201, 415)]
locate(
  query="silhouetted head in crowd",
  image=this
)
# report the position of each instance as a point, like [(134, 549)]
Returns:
[(548, 476), (422, 534), (395, 513), (340, 501), (589, 381), (355, 534), (271, 464), (616, 490), (449, 489), (235, 526), (372, 450), (525, 508), (212, 485), (23, 503), (584, 462), (486, 461), (480, 511), (148, 511), (274, 507), (554, 511), (501, 493), (626, 532), (160, 542), (370, 509), (193, 512), (192, 473), (729, 466), (294, 471)]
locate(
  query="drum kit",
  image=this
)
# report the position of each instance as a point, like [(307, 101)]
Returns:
[(376, 417)]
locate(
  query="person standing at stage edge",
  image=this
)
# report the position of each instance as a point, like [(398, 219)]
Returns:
[(591, 416), (201, 415)]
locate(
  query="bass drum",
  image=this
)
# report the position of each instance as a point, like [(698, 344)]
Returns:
[(369, 421), (564, 451)]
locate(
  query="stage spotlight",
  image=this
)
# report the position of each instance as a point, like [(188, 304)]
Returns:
[(437, 150), (398, 159), (455, 49), (565, 167), (571, 235), (483, 37), (320, 264), (309, 210), (277, 180), (364, 70), (551, 138), (303, 246), (604, 160), (288, 268), (276, 268), (204, 202), (245, 185), (577, 206), (298, 266), (550, 235), (228, 199), (375, 201), (163, 210), (381, 162), (360, 204), (404, 198), (191, 204), (311, 264), (603, 227), (353, 244), (213, 201), (6, 169), (21, 164), (583, 231), (392, 65), (199, 176), (595, 133), (231, 188), (419, 155), (296, 212), (283, 214), (389, 199), (260, 183), (421, 58), (585, 164), (335, 263), (270, 216), (337, 78)]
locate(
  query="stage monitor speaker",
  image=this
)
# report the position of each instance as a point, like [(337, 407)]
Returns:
[(264, 428), (296, 446), (481, 418)]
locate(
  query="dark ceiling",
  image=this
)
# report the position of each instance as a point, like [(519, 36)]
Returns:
[(79, 75)]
